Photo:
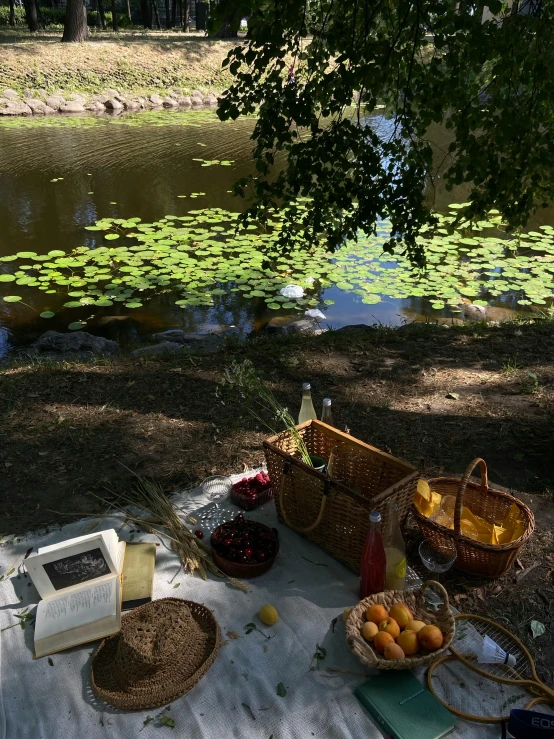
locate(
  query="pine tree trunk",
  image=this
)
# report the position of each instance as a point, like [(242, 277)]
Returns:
[(145, 14), (180, 13), (156, 14), (167, 14), (31, 15), (186, 15), (227, 30), (114, 16), (173, 12), (75, 28), (129, 16), (12, 13), (102, 14)]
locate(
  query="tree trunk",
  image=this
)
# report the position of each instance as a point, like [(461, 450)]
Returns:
[(12, 13), (145, 14), (173, 12), (31, 15), (185, 5), (114, 16), (102, 14), (129, 16), (75, 28), (167, 14), (227, 29), (156, 14)]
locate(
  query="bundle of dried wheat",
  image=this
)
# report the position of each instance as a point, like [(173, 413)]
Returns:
[(161, 514)]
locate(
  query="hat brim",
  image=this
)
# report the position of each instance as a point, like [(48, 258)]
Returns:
[(168, 684)]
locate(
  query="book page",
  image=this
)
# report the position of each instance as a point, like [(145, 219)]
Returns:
[(67, 566), (80, 607)]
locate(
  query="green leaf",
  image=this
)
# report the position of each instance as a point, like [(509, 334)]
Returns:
[(76, 326), (111, 237), (281, 690), (12, 298), (166, 721), (47, 314), (7, 278)]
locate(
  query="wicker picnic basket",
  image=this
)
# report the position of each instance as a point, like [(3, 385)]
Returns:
[(475, 557), (333, 511), (415, 600)]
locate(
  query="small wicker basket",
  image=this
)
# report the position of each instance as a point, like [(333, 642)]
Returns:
[(415, 600), (475, 557)]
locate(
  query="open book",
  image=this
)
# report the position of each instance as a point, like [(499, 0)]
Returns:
[(79, 582)]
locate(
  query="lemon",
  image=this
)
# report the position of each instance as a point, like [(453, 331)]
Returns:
[(268, 614), (345, 614)]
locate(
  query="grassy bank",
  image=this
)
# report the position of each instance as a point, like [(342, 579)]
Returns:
[(434, 396), (130, 62)]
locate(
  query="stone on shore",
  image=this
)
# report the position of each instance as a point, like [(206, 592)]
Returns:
[(55, 101), (37, 106), (76, 344), (169, 102), (184, 101), (156, 350), (13, 108), (113, 104), (156, 99), (10, 94), (72, 106)]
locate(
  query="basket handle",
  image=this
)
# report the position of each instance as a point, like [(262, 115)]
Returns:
[(301, 530), (445, 606), (462, 489)]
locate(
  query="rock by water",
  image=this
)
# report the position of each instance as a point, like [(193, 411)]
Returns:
[(76, 344)]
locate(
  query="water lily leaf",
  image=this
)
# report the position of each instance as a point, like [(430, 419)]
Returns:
[(47, 314), (76, 326), (111, 237), (7, 278), (12, 298)]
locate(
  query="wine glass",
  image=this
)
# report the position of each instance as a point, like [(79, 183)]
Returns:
[(438, 558)]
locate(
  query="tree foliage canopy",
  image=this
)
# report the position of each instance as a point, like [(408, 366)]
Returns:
[(489, 82)]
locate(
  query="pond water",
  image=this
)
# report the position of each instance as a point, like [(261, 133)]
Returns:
[(59, 176)]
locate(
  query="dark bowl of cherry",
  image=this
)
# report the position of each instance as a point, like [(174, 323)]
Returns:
[(243, 548)]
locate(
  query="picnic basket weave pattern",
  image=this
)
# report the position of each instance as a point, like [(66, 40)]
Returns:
[(415, 600), (475, 557), (333, 512)]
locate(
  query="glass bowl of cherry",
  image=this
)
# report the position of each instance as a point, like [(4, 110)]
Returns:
[(243, 548)]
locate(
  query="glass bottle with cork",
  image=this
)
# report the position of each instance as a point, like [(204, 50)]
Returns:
[(373, 563), (395, 550), (307, 410)]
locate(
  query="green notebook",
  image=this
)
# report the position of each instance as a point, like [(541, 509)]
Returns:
[(403, 707)]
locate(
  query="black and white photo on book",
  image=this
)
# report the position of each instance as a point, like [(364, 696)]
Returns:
[(71, 563), (79, 582)]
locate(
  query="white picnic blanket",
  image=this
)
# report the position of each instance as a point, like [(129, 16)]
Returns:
[(52, 699)]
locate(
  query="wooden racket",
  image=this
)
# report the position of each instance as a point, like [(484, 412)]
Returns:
[(457, 709), (471, 630)]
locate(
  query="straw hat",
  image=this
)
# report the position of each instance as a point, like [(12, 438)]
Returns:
[(163, 649)]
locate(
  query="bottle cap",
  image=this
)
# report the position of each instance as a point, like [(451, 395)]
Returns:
[(326, 401), (306, 386), (375, 517)]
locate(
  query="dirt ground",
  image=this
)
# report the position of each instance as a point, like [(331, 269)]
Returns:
[(131, 62), (434, 396)]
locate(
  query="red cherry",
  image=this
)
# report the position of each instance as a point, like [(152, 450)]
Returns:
[(199, 534), (227, 542), (248, 552)]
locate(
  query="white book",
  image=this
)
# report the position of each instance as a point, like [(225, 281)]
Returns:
[(79, 581)]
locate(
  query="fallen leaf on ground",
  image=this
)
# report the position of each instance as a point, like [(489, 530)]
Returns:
[(233, 635), (453, 396), (537, 628), (281, 690)]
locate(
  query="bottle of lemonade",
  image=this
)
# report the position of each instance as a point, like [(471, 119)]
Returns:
[(395, 550), (307, 410), (373, 564)]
